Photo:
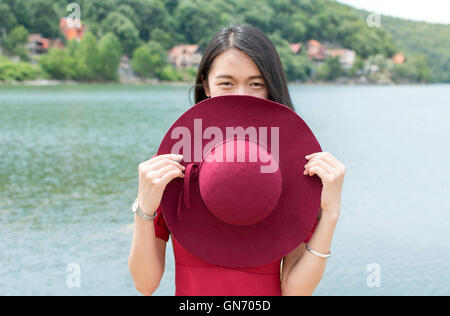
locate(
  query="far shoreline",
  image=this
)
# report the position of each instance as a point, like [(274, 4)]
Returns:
[(155, 82)]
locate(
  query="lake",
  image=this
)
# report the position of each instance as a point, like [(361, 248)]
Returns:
[(68, 176)]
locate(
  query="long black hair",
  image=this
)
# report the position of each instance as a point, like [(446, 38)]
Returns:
[(259, 48)]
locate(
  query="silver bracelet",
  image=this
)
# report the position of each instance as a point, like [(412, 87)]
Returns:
[(317, 253)]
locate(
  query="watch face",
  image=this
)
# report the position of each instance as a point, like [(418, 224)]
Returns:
[(134, 207)]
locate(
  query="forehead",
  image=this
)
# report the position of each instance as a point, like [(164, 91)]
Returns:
[(235, 63)]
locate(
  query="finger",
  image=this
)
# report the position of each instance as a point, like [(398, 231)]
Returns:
[(312, 155), (331, 160), (318, 161), (168, 156), (162, 171), (169, 176), (165, 162), (319, 171), (144, 166)]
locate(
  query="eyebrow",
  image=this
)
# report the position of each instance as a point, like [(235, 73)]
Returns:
[(231, 77)]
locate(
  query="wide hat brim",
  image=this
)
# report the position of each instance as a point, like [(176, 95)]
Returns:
[(286, 227)]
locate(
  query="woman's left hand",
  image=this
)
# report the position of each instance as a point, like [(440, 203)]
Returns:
[(331, 171)]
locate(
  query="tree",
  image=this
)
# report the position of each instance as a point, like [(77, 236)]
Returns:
[(124, 29), (131, 14), (7, 17), (149, 60), (44, 18), (296, 67), (17, 71), (14, 42), (152, 14), (199, 20), (141, 62), (59, 64), (88, 58), (163, 38), (110, 52), (98, 10), (169, 73), (330, 70)]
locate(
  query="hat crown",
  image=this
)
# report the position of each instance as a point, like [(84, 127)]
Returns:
[(232, 185)]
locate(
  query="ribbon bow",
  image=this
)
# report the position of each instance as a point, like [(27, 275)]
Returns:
[(190, 174)]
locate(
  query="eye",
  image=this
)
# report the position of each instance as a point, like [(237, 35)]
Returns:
[(259, 84), (225, 84)]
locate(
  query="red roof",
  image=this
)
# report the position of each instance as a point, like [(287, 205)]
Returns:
[(313, 43), (296, 47), (72, 31), (183, 49), (44, 43), (398, 59)]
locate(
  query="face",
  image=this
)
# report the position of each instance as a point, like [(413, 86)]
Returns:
[(234, 72)]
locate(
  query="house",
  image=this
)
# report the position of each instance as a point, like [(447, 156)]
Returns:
[(398, 59), (347, 57), (185, 56), (72, 29), (316, 51), (38, 44), (296, 48)]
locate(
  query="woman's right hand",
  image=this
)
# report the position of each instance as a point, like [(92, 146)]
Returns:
[(154, 175)]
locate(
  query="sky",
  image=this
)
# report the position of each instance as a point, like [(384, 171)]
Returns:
[(433, 11)]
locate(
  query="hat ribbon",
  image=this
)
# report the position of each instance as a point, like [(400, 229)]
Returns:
[(191, 173)]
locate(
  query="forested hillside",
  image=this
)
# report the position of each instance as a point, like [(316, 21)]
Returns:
[(431, 40), (166, 23)]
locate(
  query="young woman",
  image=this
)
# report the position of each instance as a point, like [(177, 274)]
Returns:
[(240, 60)]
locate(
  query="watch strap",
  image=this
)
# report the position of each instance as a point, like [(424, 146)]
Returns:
[(139, 212)]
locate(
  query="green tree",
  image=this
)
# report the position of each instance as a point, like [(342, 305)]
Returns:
[(110, 52), (131, 14), (59, 64), (18, 71), (149, 60), (200, 20), (97, 10), (152, 14), (44, 18), (124, 29), (169, 73), (357, 66), (163, 38), (14, 42), (7, 17), (88, 58), (296, 67), (330, 70), (21, 11), (415, 69), (141, 62)]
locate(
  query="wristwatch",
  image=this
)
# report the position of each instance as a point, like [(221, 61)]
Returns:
[(138, 211)]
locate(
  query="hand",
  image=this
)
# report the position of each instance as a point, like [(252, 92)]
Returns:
[(331, 171), (154, 175)]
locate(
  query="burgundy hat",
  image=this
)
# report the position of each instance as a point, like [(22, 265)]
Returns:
[(244, 200)]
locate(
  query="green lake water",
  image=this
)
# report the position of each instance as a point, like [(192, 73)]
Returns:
[(68, 176)]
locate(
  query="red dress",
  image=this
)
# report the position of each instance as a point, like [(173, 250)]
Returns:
[(196, 277)]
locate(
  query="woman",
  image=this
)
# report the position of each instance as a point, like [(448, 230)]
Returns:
[(240, 60)]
